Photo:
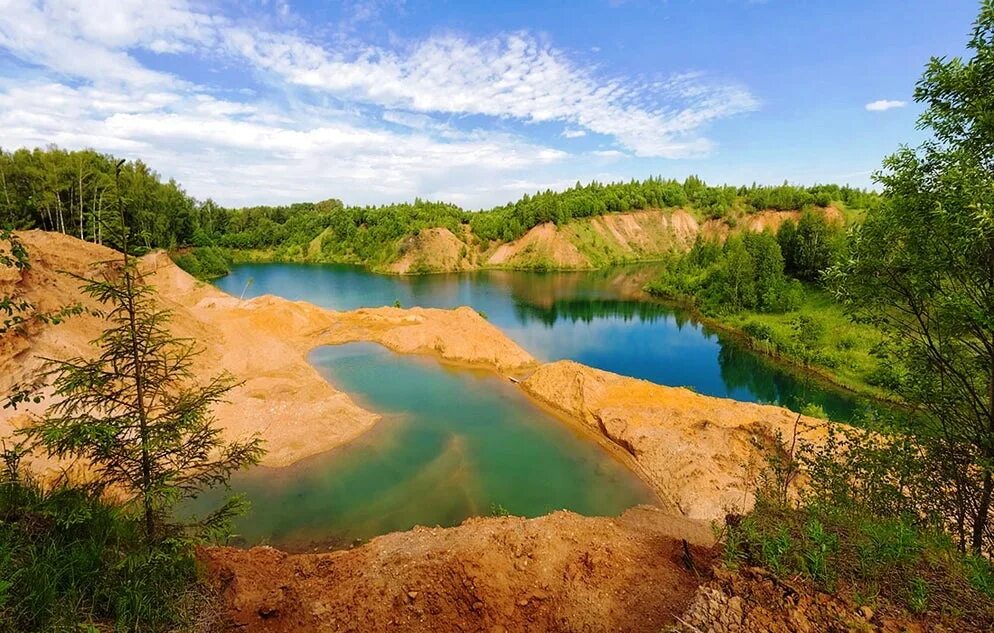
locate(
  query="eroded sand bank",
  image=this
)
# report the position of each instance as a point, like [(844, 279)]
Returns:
[(262, 342)]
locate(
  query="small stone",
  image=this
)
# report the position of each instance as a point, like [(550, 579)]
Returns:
[(413, 595), (477, 605), (523, 602), (867, 612)]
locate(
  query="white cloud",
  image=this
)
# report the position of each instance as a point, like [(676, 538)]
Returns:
[(884, 104), (512, 77), (367, 124)]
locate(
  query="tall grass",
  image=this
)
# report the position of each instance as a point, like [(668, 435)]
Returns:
[(71, 560)]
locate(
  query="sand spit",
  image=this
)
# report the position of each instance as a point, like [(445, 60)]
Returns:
[(262, 342), (696, 451), (560, 572)]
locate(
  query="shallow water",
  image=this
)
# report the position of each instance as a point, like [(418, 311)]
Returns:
[(453, 444), (598, 318)]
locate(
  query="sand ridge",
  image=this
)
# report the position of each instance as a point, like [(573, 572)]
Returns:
[(697, 452), (262, 342)]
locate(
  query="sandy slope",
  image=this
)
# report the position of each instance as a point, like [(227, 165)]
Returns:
[(695, 450), (263, 342), (581, 244)]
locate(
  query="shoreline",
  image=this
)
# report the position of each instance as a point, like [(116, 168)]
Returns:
[(823, 377)]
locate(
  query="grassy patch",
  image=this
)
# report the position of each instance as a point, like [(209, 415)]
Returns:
[(817, 334), (72, 561)]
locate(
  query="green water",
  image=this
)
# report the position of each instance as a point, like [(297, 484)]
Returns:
[(453, 444)]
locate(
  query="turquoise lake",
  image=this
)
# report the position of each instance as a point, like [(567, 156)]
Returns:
[(598, 318), (452, 444), (455, 443)]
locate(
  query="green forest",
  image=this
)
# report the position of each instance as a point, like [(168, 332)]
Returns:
[(71, 191)]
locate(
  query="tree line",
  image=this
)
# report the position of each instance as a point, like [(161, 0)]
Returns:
[(71, 192)]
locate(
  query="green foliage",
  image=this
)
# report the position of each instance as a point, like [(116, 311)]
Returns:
[(919, 270), (69, 560), (809, 247), (744, 273), (70, 192), (866, 518), (204, 263)]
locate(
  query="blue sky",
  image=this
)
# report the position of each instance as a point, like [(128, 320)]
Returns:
[(374, 101)]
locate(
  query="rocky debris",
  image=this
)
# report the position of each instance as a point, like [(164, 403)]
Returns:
[(753, 601)]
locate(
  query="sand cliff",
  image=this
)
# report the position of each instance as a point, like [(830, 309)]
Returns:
[(696, 451), (580, 244)]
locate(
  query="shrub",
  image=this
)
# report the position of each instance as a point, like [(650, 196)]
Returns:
[(866, 519), (70, 559)]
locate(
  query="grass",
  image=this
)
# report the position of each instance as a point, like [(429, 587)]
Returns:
[(854, 516), (873, 559), (70, 560), (817, 335)]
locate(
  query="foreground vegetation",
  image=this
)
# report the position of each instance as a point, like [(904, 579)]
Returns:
[(905, 517), (862, 516), (103, 547)]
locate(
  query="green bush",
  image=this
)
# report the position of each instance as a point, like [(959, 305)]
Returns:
[(204, 263), (71, 559)]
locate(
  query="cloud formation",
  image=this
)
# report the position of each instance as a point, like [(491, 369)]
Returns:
[(885, 104), (321, 118)]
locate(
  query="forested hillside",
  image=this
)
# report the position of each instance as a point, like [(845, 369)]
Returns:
[(71, 192)]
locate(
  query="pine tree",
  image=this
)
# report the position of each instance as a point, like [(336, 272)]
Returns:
[(135, 412)]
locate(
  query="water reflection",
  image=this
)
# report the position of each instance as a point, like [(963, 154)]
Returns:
[(599, 318)]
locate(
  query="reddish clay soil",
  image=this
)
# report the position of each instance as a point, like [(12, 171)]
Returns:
[(560, 572)]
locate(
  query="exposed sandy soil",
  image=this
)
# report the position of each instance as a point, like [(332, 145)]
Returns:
[(648, 233), (632, 236), (560, 572), (263, 342), (693, 449), (432, 250), (543, 243)]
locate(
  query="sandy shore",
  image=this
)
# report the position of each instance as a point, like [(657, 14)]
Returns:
[(263, 343), (697, 452)]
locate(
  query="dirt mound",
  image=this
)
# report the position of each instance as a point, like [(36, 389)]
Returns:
[(693, 449), (647, 234), (541, 247), (263, 343), (753, 601), (432, 250), (560, 572)]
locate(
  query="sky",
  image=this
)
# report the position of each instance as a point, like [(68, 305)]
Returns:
[(476, 103)]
